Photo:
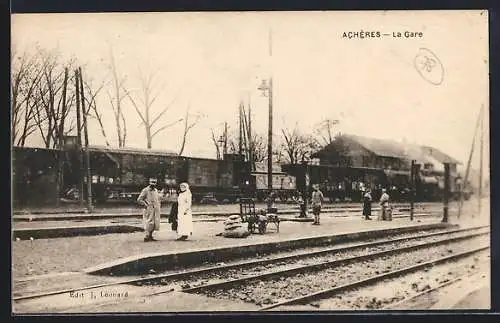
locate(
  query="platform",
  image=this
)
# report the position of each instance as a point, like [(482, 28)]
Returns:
[(292, 235), (47, 214), (74, 254), (78, 227)]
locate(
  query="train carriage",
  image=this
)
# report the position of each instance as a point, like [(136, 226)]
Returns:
[(118, 175)]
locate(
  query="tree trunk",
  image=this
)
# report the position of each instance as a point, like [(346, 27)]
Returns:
[(149, 138)]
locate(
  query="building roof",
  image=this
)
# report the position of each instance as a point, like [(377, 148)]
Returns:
[(380, 147), (395, 149)]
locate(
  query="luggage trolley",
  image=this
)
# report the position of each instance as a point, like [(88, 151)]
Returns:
[(257, 220)]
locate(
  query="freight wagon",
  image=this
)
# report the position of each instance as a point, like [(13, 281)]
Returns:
[(118, 175)]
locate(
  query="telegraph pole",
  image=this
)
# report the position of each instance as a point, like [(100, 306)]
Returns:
[(86, 136), (250, 141), (60, 168), (460, 205), (270, 129), (481, 148), (240, 140), (79, 137)]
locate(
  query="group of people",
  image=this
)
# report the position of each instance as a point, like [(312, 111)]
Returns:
[(367, 204), (317, 200), (181, 216), (182, 219)]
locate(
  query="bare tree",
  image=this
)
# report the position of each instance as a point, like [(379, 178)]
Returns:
[(216, 143), (116, 102), (190, 122), (325, 132), (258, 148), (297, 146), (48, 99), (26, 74), (145, 112), (92, 110)]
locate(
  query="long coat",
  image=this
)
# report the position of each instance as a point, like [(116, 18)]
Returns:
[(151, 214), (184, 215), (384, 203), (172, 218), (367, 204)]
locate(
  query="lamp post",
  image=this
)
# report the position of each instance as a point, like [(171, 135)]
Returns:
[(267, 90)]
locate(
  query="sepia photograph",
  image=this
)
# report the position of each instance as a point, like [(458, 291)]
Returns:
[(172, 162)]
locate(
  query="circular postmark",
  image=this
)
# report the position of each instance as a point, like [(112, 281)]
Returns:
[(429, 66)]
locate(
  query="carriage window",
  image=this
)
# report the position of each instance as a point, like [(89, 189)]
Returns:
[(94, 179)]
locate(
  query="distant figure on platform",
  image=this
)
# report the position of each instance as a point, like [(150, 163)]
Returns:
[(384, 205), (316, 201), (150, 199), (172, 218), (184, 214), (302, 204), (367, 204)]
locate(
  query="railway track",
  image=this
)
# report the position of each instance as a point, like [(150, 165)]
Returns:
[(303, 283), (280, 266), (330, 292), (430, 296)]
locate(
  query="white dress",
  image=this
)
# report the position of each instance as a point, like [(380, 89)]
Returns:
[(184, 215)]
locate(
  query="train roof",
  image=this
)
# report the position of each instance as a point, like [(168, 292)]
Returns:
[(134, 151)]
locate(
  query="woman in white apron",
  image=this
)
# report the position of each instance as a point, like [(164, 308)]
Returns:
[(184, 215)]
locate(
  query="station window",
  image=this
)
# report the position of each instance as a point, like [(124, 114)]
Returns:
[(94, 179)]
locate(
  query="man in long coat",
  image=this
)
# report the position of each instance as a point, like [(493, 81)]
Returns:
[(150, 200), (367, 205), (184, 214), (384, 205)]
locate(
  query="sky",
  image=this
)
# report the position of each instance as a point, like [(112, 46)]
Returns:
[(210, 62)]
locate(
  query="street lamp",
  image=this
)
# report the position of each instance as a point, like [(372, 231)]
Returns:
[(267, 91), (264, 87)]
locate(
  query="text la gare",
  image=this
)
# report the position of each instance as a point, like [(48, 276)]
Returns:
[(407, 34)]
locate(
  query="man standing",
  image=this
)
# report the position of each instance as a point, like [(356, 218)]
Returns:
[(367, 205), (150, 199), (316, 200), (384, 204), (184, 213)]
